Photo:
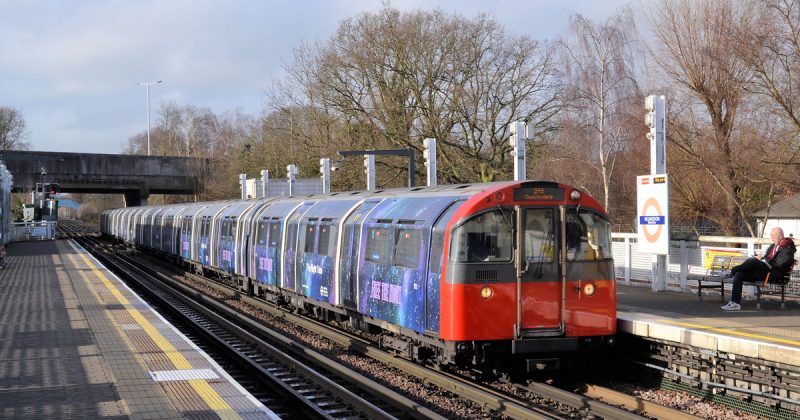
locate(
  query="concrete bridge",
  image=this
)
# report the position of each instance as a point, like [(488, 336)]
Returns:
[(132, 175)]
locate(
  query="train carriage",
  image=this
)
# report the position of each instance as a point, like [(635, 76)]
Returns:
[(266, 242), (229, 233), (170, 229), (188, 230), (244, 238), (464, 274), (314, 258)]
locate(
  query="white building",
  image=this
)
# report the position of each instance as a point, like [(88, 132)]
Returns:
[(784, 214)]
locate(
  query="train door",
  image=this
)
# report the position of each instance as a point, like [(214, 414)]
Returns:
[(539, 284), (166, 233), (348, 255), (186, 236), (290, 246), (225, 243)]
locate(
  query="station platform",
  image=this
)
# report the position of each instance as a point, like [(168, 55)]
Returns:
[(76, 342), (769, 334)]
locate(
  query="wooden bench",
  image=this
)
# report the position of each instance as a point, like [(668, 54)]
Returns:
[(775, 283), (712, 279)]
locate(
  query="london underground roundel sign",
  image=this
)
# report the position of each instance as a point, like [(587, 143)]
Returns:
[(652, 199)]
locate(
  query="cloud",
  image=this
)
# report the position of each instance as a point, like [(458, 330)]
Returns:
[(71, 67)]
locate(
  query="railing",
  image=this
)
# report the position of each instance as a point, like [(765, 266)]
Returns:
[(685, 257), (33, 231)]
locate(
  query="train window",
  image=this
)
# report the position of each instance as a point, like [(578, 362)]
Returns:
[(310, 234), (226, 229), (274, 233), (484, 237), (261, 233), (326, 239), (407, 246), (539, 235), (379, 245), (588, 236)]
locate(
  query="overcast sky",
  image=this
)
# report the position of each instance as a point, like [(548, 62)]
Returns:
[(71, 67)]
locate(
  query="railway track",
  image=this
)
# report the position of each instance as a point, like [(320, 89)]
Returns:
[(500, 403)]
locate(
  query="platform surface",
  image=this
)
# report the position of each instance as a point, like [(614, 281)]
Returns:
[(769, 333), (75, 342)]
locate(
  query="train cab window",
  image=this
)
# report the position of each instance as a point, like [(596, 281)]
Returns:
[(540, 236), (379, 245), (407, 246), (588, 236), (485, 237)]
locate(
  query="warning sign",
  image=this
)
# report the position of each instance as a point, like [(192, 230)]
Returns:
[(652, 197)]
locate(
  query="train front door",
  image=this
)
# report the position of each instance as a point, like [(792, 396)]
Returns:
[(539, 303)]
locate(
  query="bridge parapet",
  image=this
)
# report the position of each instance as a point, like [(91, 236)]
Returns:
[(135, 176)]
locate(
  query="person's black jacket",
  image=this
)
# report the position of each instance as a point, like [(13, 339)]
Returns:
[(782, 262)]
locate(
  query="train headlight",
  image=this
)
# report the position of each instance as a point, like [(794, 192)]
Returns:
[(575, 195), (588, 289), (486, 292)]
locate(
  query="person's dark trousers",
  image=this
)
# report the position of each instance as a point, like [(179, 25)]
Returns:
[(751, 270)]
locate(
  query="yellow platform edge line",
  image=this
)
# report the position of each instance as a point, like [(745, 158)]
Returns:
[(731, 332), (202, 387)]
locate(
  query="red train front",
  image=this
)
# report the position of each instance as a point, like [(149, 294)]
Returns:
[(528, 271)]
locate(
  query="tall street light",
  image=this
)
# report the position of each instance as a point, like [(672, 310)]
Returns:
[(147, 85)]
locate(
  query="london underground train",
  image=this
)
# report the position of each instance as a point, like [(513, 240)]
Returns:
[(475, 274)]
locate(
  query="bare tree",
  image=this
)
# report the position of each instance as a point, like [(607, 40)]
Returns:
[(12, 129), (693, 48), (390, 79), (215, 141), (772, 50), (599, 62)]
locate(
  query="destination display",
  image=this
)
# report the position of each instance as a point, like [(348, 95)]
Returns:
[(539, 194)]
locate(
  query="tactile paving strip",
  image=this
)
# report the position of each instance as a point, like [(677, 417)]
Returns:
[(194, 382), (183, 375)]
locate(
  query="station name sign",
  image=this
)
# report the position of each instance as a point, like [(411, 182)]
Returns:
[(539, 194), (652, 203)]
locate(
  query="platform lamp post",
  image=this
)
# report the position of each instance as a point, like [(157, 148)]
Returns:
[(147, 85)]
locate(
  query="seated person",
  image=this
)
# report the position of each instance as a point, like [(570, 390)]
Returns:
[(574, 238), (777, 260), (478, 247)]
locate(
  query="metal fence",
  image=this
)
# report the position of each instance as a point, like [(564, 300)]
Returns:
[(33, 231), (685, 256)]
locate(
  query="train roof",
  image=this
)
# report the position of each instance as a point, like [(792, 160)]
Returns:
[(438, 190)]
